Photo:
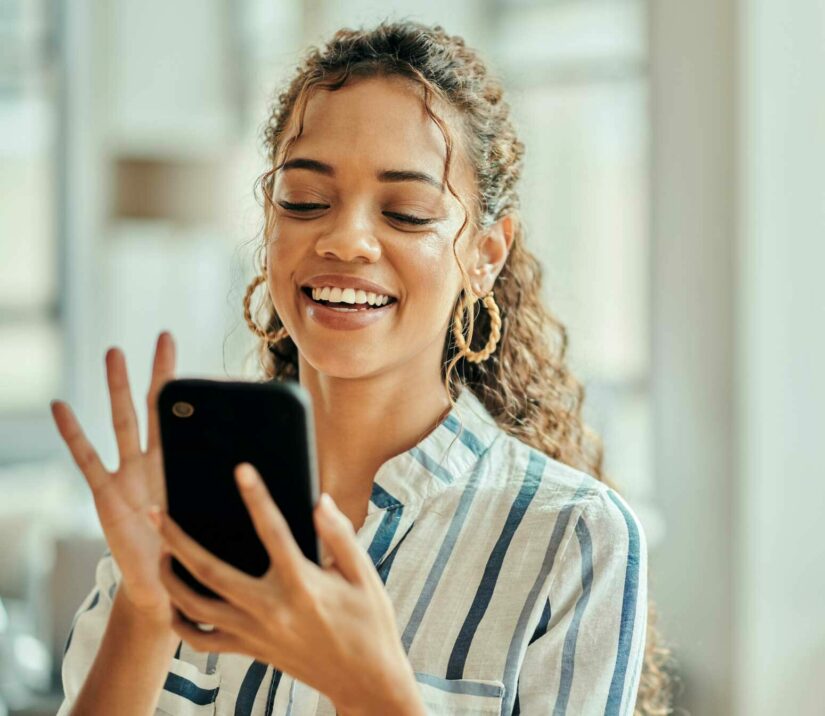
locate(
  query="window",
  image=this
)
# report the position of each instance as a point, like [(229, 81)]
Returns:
[(30, 335), (576, 73)]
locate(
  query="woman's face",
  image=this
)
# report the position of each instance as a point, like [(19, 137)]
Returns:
[(360, 197)]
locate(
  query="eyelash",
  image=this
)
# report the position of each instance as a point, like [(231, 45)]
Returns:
[(406, 218)]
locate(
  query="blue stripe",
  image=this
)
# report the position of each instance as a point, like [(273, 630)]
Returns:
[(179, 686), (291, 697), (476, 446), (95, 600), (559, 529), (541, 627), (431, 465), (484, 593), (568, 659), (639, 663), (459, 687), (386, 564), (631, 589), (273, 688), (249, 688), (212, 662), (383, 499), (442, 558), (383, 536), (384, 569)]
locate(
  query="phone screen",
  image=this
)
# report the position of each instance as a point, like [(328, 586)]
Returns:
[(208, 427)]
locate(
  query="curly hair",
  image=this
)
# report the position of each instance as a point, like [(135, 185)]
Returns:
[(525, 384)]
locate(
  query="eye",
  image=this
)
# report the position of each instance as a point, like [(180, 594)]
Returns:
[(409, 218), (289, 206)]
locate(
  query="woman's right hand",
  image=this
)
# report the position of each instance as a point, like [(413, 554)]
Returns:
[(122, 498)]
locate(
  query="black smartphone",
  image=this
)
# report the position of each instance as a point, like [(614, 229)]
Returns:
[(207, 428)]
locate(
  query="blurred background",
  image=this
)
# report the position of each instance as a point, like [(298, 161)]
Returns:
[(674, 189)]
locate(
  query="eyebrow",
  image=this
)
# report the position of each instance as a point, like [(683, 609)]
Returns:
[(387, 175)]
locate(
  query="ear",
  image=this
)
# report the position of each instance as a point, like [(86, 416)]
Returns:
[(491, 251)]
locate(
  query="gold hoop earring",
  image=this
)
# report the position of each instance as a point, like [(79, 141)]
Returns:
[(495, 329), (247, 313)]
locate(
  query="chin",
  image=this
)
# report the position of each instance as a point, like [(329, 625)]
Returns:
[(339, 363)]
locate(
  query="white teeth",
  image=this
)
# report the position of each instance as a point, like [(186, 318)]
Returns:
[(349, 295)]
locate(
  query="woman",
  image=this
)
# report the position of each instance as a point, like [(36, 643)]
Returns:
[(475, 561)]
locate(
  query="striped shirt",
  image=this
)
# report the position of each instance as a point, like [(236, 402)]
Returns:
[(519, 586)]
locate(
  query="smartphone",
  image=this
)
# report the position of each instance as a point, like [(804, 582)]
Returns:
[(207, 428)]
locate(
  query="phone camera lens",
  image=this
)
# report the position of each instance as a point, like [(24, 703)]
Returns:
[(182, 409)]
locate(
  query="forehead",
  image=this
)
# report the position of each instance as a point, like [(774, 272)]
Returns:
[(377, 122)]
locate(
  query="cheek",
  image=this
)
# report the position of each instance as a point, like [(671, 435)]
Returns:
[(283, 255), (431, 277)]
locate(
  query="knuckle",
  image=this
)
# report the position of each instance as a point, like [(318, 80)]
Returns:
[(195, 610), (273, 534), (123, 422), (301, 594), (207, 571), (277, 611), (272, 608), (186, 607), (303, 590), (86, 457)]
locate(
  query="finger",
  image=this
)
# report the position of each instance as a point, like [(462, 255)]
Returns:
[(124, 419), (338, 534), (270, 524), (109, 503), (232, 584), (163, 370), (84, 455), (206, 641), (221, 615)]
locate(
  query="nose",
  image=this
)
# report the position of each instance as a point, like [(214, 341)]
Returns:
[(351, 238)]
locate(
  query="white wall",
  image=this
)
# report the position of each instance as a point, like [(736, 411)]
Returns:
[(739, 349), (781, 316), (693, 114)]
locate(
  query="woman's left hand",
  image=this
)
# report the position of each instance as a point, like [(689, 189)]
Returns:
[(331, 627)]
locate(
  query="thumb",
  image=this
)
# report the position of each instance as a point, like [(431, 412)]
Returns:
[(339, 540)]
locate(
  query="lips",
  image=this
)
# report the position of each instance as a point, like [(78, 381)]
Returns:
[(343, 319)]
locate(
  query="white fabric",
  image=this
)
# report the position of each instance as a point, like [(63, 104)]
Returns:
[(519, 584)]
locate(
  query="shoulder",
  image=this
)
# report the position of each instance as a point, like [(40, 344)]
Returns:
[(555, 488)]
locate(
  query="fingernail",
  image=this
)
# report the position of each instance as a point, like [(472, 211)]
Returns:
[(327, 503), (245, 476)]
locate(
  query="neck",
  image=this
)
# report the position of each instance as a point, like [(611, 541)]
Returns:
[(362, 422)]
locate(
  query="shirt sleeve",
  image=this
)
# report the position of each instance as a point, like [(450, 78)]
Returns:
[(87, 630), (586, 654)]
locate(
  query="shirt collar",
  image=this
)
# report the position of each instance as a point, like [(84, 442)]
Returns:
[(443, 458)]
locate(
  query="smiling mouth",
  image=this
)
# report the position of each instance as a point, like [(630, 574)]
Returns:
[(344, 306)]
